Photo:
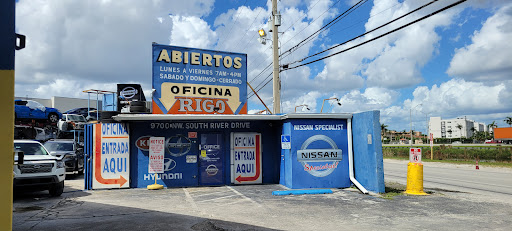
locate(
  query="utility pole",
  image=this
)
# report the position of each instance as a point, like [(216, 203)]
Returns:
[(410, 117), (275, 44)]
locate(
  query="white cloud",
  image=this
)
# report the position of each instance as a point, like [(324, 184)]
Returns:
[(97, 41), (393, 61), (369, 99), (191, 32), (308, 99), (451, 99), (488, 57)]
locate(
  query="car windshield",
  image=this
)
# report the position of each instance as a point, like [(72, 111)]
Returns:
[(35, 105), (77, 118), (58, 146), (30, 148)]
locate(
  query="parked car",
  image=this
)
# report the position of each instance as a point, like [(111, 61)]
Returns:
[(33, 133), (71, 122), (71, 154), (39, 169), (93, 115), (29, 109), (80, 111)]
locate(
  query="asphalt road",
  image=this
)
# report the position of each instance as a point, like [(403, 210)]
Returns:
[(253, 207), (488, 182)]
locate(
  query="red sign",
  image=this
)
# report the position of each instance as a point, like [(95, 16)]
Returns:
[(192, 135), (415, 155)]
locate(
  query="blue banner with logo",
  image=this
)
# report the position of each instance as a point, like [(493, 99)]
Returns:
[(198, 81), (318, 157)]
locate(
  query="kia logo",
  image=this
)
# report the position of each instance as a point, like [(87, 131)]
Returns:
[(143, 143)]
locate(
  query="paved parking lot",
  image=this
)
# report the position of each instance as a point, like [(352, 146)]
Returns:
[(252, 207)]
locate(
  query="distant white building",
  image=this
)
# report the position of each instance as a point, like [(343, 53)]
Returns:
[(454, 128)]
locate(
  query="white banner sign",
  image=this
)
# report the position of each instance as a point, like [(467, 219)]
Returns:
[(246, 158), (156, 154)]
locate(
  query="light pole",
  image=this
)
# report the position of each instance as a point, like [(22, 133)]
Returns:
[(333, 98), (410, 117), (276, 21), (303, 105)]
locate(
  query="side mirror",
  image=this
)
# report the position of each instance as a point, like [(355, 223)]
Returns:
[(21, 156)]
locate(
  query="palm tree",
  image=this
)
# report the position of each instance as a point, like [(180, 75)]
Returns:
[(473, 131), (492, 125), (383, 129), (508, 121), (460, 128)]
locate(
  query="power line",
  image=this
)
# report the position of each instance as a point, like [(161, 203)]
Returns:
[(370, 31), (334, 21), (232, 25), (385, 34), (257, 90), (378, 37), (261, 8), (309, 23)]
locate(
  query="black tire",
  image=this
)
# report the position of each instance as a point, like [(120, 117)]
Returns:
[(56, 189), (137, 103), (53, 117), (106, 116), (137, 109)]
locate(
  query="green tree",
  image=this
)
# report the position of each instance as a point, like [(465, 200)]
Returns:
[(492, 125), (460, 129), (383, 129), (473, 131), (508, 120)]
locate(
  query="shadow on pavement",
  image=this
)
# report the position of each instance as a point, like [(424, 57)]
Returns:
[(96, 216)]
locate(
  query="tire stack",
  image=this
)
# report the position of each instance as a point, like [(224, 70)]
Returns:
[(137, 107), (106, 116)]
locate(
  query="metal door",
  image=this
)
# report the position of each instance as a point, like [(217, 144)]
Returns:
[(211, 156)]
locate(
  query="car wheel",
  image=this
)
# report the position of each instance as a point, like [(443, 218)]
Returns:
[(53, 118), (57, 189)]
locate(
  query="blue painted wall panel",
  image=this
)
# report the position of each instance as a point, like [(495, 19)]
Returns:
[(285, 155), (368, 162), (179, 145), (319, 154)]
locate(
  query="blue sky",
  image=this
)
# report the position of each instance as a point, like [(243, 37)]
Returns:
[(454, 64)]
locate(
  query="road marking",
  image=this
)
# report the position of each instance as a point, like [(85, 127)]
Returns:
[(214, 199), (189, 199), (243, 196)]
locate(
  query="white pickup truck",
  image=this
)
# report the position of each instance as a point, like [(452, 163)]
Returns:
[(39, 170)]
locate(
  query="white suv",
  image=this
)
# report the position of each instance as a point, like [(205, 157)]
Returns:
[(39, 169), (71, 122)]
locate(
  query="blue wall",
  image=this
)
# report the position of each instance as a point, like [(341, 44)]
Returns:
[(187, 174), (368, 163), (318, 157)]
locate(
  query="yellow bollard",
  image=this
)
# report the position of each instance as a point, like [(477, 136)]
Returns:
[(415, 179)]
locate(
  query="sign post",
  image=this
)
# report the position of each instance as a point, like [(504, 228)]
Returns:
[(156, 159), (431, 146)]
